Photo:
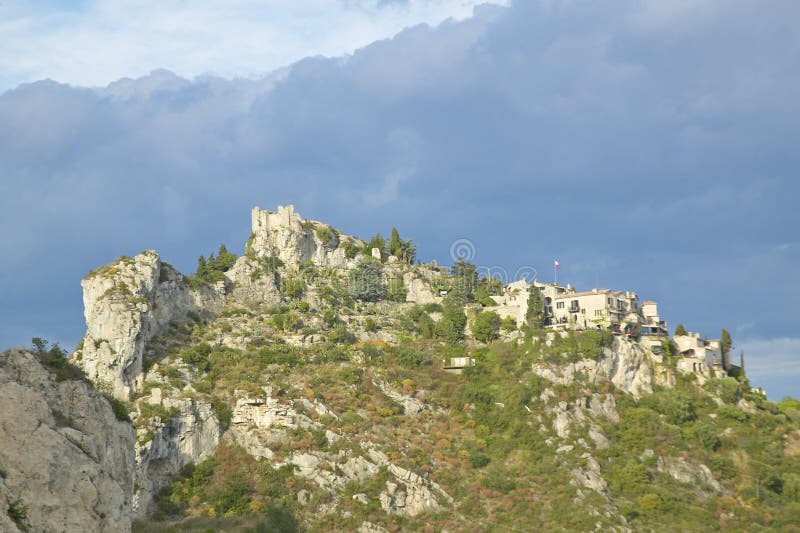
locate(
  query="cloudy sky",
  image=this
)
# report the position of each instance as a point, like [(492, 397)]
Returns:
[(646, 144)]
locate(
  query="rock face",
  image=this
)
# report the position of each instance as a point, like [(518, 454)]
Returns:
[(252, 284), (64, 455), (165, 446), (117, 302), (285, 235), (698, 475), (628, 365), (125, 304)]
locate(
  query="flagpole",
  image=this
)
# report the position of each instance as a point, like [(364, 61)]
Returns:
[(555, 272)]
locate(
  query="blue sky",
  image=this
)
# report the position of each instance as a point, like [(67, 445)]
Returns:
[(647, 145)]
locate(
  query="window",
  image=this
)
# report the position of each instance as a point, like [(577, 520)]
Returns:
[(598, 312), (574, 305), (559, 305)]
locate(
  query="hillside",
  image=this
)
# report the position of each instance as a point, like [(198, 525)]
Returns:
[(321, 382)]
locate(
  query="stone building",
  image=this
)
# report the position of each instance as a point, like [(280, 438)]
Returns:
[(603, 308)]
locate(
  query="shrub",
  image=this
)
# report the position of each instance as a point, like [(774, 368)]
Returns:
[(508, 324), (340, 335), (408, 357), (432, 308), (351, 249), (329, 317), (366, 282), (223, 411), (451, 326), (293, 287), (18, 512), (198, 356), (327, 235), (486, 327), (705, 436), (728, 389), (119, 408), (675, 405)]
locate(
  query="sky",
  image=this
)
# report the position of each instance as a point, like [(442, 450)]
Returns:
[(647, 145)]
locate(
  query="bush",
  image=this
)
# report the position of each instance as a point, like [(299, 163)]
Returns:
[(676, 406), (705, 436), (451, 326), (293, 287), (486, 327), (18, 512), (351, 249), (197, 356), (728, 389), (478, 459), (223, 411), (432, 308), (327, 235), (119, 408), (408, 357), (366, 282)]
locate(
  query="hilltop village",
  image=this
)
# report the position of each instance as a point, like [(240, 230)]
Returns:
[(324, 382)]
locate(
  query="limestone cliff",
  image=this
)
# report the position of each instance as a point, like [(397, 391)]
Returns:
[(285, 235), (627, 364), (65, 459), (188, 434), (125, 304)]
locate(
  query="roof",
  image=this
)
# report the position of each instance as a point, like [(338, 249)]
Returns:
[(586, 293), (649, 302)]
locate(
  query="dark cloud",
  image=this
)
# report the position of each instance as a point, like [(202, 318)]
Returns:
[(645, 147)]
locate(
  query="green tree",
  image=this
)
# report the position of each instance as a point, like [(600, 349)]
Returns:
[(486, 326), (535, 313), (680, 330), (725, 345), (451, 326), (509, 324), (465, 279), (225, 259), (403, 249), (366, 282), (39, 344), (202, 267), (482, 296), (375, 242)]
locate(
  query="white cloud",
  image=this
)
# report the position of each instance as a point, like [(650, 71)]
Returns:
[(95, 42), (779, 357), (773, 364)]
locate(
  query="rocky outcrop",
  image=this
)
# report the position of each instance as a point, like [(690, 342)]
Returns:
[(188, 434), (125, 304), (253, 282), (626, 364), (118, 300), (285, 235), (65, 457), (685, 472), (411, 406)]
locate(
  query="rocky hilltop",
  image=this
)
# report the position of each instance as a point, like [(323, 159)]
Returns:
[(323, 382)]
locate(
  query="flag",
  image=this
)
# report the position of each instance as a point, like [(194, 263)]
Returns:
[(556, 265)]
